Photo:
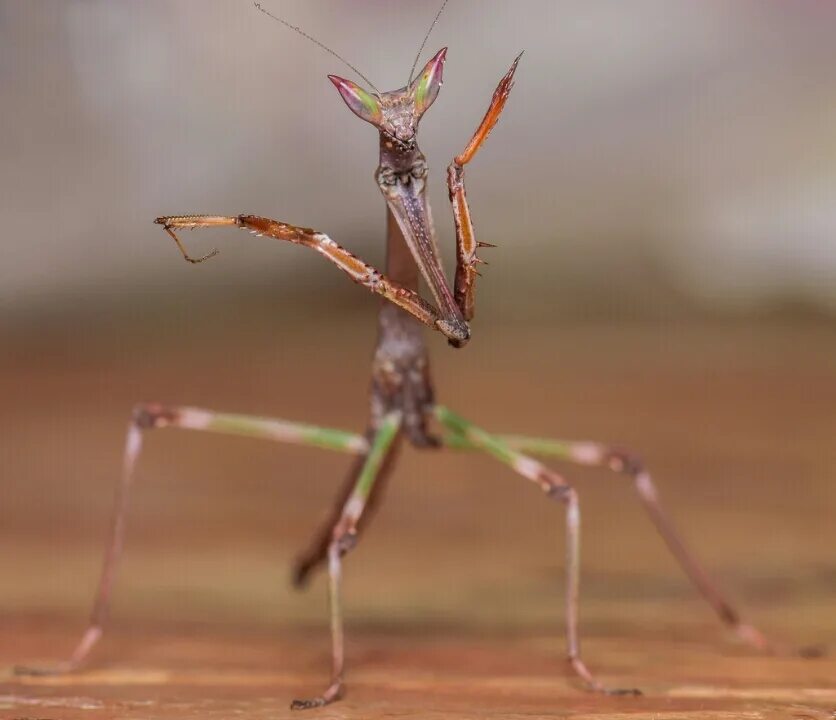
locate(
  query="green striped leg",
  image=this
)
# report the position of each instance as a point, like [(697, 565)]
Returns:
[(150, 416), (627, 463), (316, 552), (343, 539), (465, 434)]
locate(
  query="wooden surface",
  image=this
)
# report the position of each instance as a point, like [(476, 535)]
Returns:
[(454, 597)]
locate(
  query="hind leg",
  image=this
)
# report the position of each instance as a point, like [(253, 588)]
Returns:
[(627, 463), (147, 417)]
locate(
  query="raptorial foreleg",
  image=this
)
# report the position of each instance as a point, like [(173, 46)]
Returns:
[(466, 243), (360, 272)]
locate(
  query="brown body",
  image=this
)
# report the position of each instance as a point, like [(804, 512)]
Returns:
[(400, 380), (400, 369)]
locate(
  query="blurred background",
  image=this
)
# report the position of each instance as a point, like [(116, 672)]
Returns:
[(658, 157), (661, 188)]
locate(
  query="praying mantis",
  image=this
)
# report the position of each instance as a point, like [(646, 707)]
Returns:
[(402, 398)]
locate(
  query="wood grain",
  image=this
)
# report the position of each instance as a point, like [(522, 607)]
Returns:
[(453, 600)]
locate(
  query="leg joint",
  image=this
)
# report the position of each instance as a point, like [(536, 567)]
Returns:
[(344, 540), (728, 614), (624, 461), (563, 493), (147, 416)]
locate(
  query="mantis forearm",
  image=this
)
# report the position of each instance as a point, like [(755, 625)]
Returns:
[(359, 271), (466, 243)]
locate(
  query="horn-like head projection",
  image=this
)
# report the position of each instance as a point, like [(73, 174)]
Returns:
[(396, 113)]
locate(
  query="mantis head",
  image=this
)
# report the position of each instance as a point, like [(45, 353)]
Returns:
[(401, 176), (396, 113)]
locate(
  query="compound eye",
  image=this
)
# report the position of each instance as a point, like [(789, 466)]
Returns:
[(363, 104), (425, 87)]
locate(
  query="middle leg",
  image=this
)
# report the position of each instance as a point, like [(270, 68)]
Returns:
[(343, 539), (557, 488), (315, 553)]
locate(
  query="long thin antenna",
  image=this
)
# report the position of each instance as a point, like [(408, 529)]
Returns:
[(426, 37), (316, 42)]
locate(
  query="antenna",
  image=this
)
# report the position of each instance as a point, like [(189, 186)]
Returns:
[(316, 42), (426, 37)]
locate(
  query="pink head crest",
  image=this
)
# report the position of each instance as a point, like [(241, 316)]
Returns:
[(363, 104), (425, 87)]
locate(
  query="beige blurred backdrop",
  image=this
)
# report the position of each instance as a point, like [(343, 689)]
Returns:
[(661, 190), (656, 153)]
